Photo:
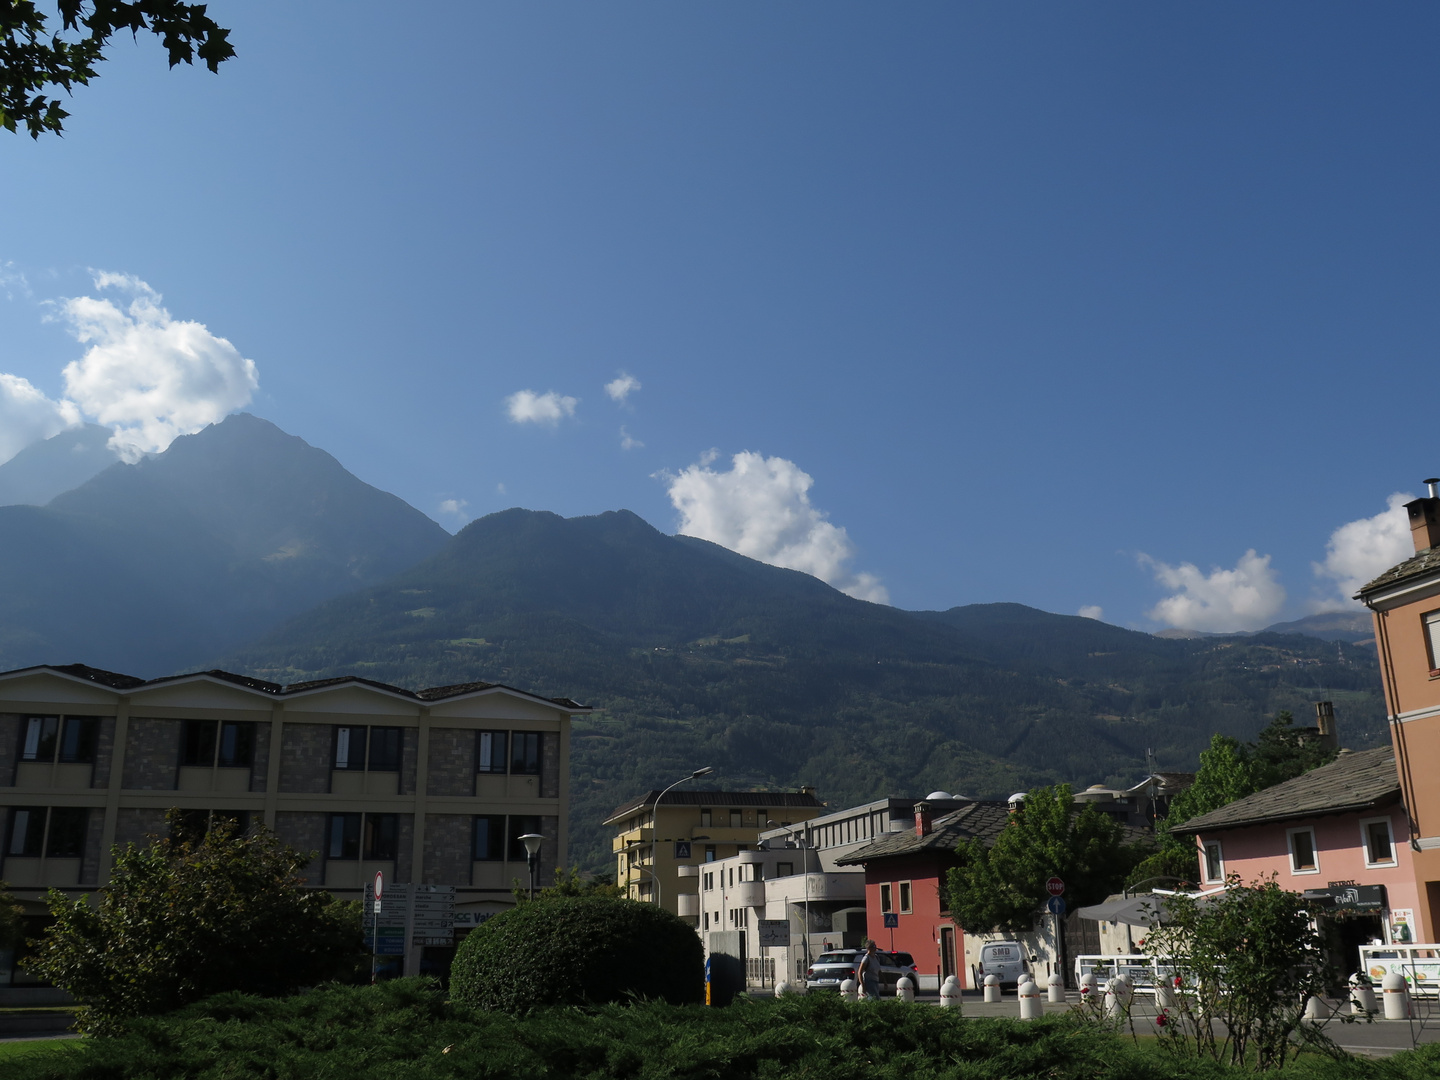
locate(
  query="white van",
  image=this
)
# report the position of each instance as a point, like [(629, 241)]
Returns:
[(1003, 958)]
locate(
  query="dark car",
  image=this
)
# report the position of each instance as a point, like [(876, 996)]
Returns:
[(834, 967)]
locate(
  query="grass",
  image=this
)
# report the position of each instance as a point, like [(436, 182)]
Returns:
[(10, 1049), (406, 1030)]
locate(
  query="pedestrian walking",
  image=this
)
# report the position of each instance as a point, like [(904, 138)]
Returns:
[(867, 972)]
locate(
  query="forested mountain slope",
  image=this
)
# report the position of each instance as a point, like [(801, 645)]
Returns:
[(699, 656)]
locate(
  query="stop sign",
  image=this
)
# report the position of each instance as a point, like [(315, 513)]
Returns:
[(1054, 886)]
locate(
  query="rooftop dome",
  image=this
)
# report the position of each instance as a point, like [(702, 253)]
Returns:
[(939, 795)]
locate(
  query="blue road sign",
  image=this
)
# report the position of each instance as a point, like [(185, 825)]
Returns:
[(1056, 905), (682, 849), (892, 920)]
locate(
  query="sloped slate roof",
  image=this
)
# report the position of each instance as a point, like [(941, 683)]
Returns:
[(1354, 781), (982, 820), (719, 799), (1419, 564)]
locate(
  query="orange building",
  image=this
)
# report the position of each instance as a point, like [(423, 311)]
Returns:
[(1405, 601)]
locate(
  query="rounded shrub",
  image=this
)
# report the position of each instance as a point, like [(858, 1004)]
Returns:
[(578, 951)]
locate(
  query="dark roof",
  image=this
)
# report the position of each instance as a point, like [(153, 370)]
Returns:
[(719, 799), (1353, 781), (1419, 564), (976, 820), (116, 681)]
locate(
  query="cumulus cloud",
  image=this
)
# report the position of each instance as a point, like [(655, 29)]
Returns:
[(628, 441), (621, 388), (528, 407), (27, 415), (1245, 598), (455, 510), (1361, 550), (148, 376), (761, 507), (1092, 611)]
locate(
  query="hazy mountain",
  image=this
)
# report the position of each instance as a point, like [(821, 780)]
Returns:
[(1354, 626), (700, 657), (43, 470), (153, 566)]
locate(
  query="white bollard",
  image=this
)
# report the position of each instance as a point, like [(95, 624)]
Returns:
[(904, 988), (1117, 996), (992, 989), (1056, 989), (1164, 995), (1397, 997), (1089, 987), (1362, 996), (950, 992), (1315, 1009), (782, 988), (850, 990), (1032, 1007)]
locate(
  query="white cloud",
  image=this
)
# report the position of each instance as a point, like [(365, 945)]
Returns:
[(1092, 611), (528, 407), (1245, 598), (628, 441), (761, 507), (27, 415), (621, 388), (455, 510), (1361, 550), (149, 376)]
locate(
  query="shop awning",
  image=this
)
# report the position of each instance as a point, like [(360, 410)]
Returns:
[(1345, 897), (1138, 910)]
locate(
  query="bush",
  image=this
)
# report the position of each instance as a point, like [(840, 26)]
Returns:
[(578, 951)]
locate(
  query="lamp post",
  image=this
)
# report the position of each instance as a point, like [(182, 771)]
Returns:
[(532, 841), (655, 823)]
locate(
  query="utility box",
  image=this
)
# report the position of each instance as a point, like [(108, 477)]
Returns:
[(726, 966)]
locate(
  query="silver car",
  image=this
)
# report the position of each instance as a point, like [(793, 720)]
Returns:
[(834, 967)]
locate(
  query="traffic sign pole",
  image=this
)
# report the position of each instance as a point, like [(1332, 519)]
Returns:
[(377, 891)]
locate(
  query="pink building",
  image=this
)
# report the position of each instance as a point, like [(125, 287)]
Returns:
[(1339, 834)]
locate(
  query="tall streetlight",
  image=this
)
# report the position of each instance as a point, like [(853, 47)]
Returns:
[(655, 824), (532, 841)]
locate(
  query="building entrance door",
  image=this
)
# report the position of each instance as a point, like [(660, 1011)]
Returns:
[(947, 952)]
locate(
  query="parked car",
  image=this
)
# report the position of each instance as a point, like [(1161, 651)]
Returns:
[(834, 967), (906, 963), (1003, 958)]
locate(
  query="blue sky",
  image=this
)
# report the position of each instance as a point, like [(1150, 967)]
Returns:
[(1031, 292)]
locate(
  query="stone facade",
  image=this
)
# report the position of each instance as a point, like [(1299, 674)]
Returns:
[(152, 754), (451, 769), (261, 762), (409, 755), (305, 832), (405, 847), (90, 854), (9, 746), (447, 849), (104, 753), (549, 766), (135, 825), (306, 759)]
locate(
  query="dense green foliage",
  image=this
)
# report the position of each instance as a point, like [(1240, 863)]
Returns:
[(1230, 770), (573, 883), (697, 655), (12, 920), (578, 950), (1003, 887), (406, 1029), (36, 54), (1250, 957), (183, 919)]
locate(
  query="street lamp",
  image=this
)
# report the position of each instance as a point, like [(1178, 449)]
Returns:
[(532, 841), (655, 823)]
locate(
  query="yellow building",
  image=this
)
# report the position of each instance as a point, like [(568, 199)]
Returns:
[(658, 848)]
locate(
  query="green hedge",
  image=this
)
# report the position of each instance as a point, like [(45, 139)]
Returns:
[(578, 951)]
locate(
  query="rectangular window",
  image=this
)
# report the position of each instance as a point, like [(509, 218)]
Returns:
[(525, 753), (1214, 862), (197, 743), (707, 920), (784, 869), (27, 826), (735, 819), (382, 832), (490, 838), (905, 897), (1303, 859), (1432, 637), (344, 837), (705, 821), (237, 744), (1379, 848), (384, 749), (40, 734), (67, 832), (492, 751), (77, 744), (709, 852), (350, 747), (885, 898), (520, 824)]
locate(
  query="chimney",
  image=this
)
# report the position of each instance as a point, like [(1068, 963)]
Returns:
[(922, 820), (1325, 724), (1425, 518), (808, 790)]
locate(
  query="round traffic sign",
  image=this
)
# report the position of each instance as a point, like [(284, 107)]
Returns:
[(1054, 886), (379, 883)]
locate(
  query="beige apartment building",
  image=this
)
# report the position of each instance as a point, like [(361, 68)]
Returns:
[(658, 848), (430, 787)]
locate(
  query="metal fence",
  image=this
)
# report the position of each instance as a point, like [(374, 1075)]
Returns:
[(760, 971)]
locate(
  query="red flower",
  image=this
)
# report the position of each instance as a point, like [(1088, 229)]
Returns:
[(1161, 1020)]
